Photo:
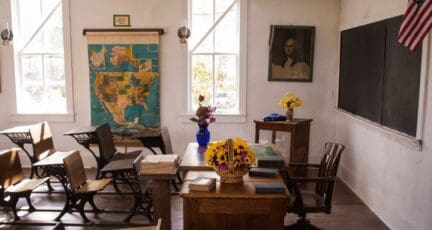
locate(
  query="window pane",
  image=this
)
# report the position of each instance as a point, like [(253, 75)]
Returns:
[(221, 6), (50, 37), (31, 67), (54, 68), (202, 19), (56, 97), (226, 34), (33, 94), (225, 83), (202, 79), (53, 33), (32, 13), (206, 46)]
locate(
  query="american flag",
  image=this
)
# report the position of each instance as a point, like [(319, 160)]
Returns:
[(416, 23)]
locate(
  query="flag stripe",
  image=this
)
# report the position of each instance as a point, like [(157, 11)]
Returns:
[(416, 24), (425, 31), (420, 27), (408, 17)]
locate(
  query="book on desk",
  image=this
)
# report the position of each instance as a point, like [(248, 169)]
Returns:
[(263, 172), (268, 157), (202, 184), (270, 188), (159, 164)]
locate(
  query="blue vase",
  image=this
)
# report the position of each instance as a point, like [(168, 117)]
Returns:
[(203, 136)]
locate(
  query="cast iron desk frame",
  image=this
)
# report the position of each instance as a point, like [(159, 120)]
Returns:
[(53, 166), (86, 136), (20, 135)]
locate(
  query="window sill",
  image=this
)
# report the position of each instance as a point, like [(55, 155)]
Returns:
[(59, 118), (397, 136), (220, 118)]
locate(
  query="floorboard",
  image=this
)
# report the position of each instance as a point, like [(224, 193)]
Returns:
[(348, 212)]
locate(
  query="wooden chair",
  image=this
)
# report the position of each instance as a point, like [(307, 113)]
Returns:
[(13, 183), (320, 199), (43, 146), (167, 149), (81, 189), (109, 153)]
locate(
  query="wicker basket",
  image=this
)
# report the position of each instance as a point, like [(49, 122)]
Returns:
[(232, 175), (236, 176)]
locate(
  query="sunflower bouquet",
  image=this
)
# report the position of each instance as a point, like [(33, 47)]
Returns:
[(226, 164), (290, 101)]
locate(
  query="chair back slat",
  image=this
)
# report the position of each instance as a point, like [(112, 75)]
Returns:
[(75, 170), (328, 168), (106, 143), (42, 140), (10, 168), (166, 141)]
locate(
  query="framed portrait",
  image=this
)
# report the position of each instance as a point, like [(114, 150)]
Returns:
[(291, 53), (121, 20)]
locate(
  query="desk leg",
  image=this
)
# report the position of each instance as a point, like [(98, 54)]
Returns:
[(60, 173), (162, 202), (257, 134)]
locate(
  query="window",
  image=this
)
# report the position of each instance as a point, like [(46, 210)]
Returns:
[(41, 77), (214, 54)]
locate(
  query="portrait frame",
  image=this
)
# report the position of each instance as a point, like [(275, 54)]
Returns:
[(121, 20), (291, 53)]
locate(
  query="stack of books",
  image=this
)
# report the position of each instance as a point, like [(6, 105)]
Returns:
[(159, 164), (268, 157), (202, 184)]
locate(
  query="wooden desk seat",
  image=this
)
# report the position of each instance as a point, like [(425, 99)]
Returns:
[(109, 154), (93, 185), (13, 183), (43, 148), (82, 190)]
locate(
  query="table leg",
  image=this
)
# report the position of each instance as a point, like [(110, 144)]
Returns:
[(162, 202)]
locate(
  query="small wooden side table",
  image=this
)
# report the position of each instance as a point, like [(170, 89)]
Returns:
[(299, 129)]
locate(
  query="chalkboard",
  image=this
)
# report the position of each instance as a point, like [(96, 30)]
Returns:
[(379, 78)]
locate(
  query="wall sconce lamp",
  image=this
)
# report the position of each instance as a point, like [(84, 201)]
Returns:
[(183, 33), (6, 35)]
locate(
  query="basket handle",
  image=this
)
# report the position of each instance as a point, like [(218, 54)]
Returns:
[(230, 144)]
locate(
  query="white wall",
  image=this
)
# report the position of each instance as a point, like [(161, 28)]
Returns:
[(262, 96), (392, 178)]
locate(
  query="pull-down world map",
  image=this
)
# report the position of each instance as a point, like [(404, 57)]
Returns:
[(124, 85)]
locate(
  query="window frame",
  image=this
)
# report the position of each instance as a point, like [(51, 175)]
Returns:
[(241, 57), (69, 115)]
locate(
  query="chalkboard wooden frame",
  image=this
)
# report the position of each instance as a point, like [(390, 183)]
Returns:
[(379, 79)]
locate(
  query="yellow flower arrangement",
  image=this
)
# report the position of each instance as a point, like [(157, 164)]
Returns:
[(290, 101), (217, 155)]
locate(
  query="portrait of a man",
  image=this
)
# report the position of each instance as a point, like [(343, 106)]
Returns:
[(291, 53)]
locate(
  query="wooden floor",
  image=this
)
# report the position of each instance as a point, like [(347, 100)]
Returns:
[(348, 212)]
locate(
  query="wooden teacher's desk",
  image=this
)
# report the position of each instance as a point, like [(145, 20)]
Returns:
[(299, 129), (233, 206)]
